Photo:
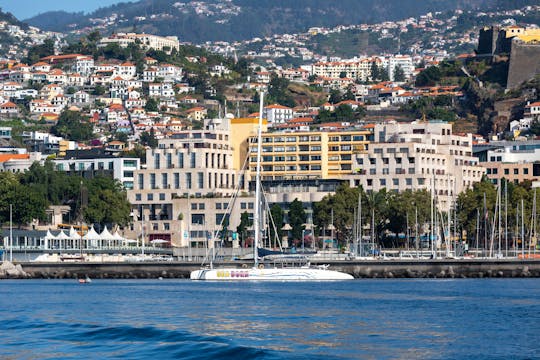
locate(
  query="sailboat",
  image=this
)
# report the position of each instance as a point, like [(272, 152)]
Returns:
[(261, 271)]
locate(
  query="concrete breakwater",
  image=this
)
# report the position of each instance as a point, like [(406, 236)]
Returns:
[(477, 268)]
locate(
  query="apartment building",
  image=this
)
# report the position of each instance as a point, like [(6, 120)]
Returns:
[(418, 155), (515, 161), (308, 155), (186, 181), (147, 41), (89, 163)]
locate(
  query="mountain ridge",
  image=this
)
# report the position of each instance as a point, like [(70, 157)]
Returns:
[(231, 20)]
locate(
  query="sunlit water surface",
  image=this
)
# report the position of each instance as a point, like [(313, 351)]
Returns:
[(360, 319)]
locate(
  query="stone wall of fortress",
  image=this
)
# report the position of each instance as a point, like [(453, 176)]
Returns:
[(524, 63)]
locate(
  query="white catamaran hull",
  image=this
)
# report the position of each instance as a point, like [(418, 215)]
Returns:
[(275, 274)]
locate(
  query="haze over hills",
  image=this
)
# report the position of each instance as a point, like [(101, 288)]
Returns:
[(229, 20)]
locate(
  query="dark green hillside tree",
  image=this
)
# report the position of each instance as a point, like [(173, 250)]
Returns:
[(107, 202), (72, 126), (278, 92)]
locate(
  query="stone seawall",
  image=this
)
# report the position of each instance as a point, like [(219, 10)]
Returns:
[(359, 269)]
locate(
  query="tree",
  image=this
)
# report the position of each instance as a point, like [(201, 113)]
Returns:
[(99, 90), (342, 206), (399, 74), (149, 139), (297, 218), (334, 97), (429, 77), (278, 91), (375, 72), (151, 105), (107, 202), (241, 229), (276, 212), (72, 126), (40, 51)]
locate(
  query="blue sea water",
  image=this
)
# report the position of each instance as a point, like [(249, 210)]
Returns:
[(360, 319)]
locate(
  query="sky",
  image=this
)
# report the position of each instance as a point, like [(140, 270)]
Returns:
[(24, 9)]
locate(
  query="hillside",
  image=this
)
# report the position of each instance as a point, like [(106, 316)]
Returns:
[(229, 20)]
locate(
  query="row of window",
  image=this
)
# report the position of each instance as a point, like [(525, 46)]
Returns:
[(211, 160), (302, 148), (386, 161), (396, 182), (215, 181), (495, 171)]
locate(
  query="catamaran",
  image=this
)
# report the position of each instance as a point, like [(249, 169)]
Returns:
[(285, 270)]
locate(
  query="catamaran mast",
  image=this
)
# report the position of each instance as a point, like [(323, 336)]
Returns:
[(257, 214)]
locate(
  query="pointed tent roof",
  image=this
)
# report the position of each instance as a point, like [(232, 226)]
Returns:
[(62, 236), (117, 236), (91, 235), (106, 235), (73, 234), (49, 235)]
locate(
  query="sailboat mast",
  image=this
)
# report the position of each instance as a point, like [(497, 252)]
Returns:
[(257, 214)]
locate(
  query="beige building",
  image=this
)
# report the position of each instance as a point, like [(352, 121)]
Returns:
[(419, 155), (190, 165), (307, 155), (146, 41)]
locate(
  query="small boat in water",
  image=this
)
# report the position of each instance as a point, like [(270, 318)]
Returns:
[(86, 280)]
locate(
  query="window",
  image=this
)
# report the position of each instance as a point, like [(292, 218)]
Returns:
[(141, 181), (128, 174), (201, 206), (181, 160), (218, 206), (152, 181), (188, 180), (137, 197), (382, 182), (526, 171), (516, 171), (161, 196), (149, 197), (408, 182), (243, 206), (250, 206), (506, 171), (169, 160), (156, 161), (176, 180), (164, 181), (197, 219), (193, 160), (130, 163), (200, 180), (395, 182)]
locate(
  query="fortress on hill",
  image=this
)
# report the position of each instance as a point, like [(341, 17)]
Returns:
[(521, 44)]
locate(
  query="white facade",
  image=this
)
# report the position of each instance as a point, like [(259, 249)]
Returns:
[(418, 156)]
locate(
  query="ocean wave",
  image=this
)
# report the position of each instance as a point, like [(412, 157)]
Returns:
[(92, 341)]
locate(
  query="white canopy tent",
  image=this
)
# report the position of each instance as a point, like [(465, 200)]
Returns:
[(49, 239), (74, 235), (62, 239), (106, 236), (91, 237)]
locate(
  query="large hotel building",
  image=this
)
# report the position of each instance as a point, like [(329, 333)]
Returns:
[(185, 191)]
